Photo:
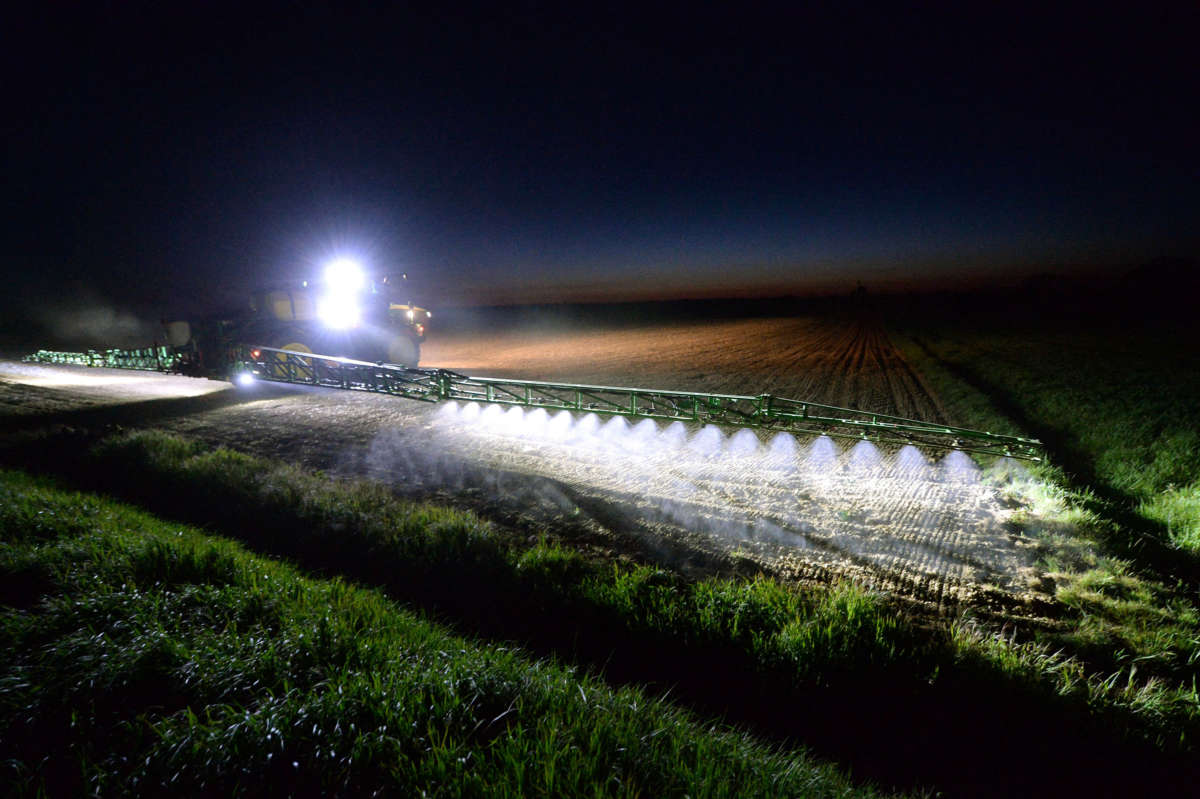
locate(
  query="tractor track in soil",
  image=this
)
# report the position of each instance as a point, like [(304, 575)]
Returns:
[(938, 539)]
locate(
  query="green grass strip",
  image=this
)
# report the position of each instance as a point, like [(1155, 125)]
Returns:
[(1131, 609), (452, 562), (836, 669), (143, 656), (1118, 408)]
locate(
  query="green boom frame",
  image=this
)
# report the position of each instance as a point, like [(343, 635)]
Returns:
[(762, 411), (155, 359), (730, 410)]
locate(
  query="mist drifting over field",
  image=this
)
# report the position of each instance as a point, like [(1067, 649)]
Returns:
[(97, 326), (804, 508)]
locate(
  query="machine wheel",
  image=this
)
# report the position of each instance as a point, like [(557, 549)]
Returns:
[(403, 350), (283, 367)]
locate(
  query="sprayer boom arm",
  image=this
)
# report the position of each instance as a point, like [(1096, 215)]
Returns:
[(731, 410), (434, 385)]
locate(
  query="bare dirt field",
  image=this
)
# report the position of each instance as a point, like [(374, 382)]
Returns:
[(847, 362), (701, 500)]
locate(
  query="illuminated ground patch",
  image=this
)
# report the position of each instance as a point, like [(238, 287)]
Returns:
[(689, 497), (895, 520), (113, 385)]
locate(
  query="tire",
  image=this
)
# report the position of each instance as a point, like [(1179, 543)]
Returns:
[(403, 350), (282, 367)]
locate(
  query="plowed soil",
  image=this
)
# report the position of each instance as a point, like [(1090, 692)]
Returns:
[(846, 361), (699, 500)]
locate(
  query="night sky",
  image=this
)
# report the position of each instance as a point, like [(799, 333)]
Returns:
[(160, 159)]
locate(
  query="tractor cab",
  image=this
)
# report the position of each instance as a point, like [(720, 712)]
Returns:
[(344, 300), (345, 312)]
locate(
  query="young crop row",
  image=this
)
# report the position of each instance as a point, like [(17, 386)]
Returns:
[(1117, 408), (1113, 425), (837, 669)]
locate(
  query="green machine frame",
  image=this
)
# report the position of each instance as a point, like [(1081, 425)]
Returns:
[(154, 359), (731, 410), (763, 411)]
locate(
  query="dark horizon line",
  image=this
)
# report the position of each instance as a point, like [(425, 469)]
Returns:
[(1104, 276)]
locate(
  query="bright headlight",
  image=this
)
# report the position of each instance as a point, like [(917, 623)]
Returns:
[(344, 275), (339, 307), (339, 311)]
